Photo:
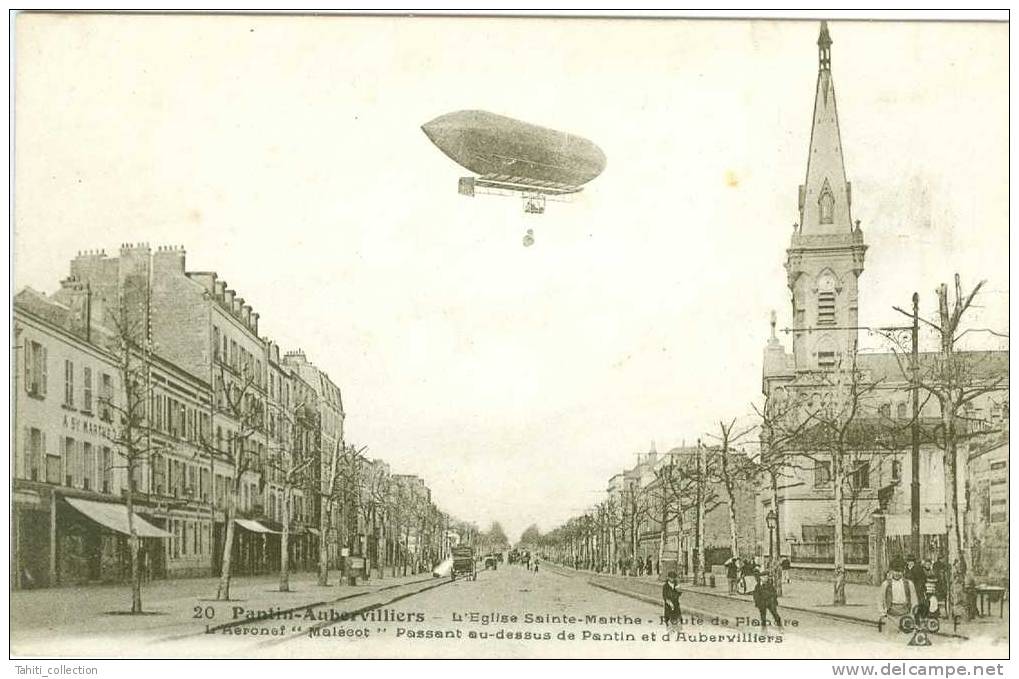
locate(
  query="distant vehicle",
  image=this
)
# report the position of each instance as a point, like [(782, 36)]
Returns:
[(511, 156), (491, 562), (463, 563)]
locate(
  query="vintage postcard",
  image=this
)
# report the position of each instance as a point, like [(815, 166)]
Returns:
[(509, 337)]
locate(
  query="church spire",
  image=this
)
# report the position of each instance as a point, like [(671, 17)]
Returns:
[(824, 48), (825, 197)]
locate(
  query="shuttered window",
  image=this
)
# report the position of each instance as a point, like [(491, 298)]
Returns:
[(826, 308)]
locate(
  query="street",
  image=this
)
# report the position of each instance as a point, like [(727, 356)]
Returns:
[(509, 612)]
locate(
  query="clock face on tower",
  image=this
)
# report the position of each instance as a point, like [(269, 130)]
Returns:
[(826, 283)]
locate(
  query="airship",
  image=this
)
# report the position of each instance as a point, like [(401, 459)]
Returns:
[(510, 156)]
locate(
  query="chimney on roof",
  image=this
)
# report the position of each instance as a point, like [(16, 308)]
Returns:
[(168, 258)]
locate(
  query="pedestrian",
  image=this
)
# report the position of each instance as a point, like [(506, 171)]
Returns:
[(915, 573), (932, 602), (648, 568), (766, 599), (897, 597), (536, 562), (732, 573), (670, 596), (786, 566)]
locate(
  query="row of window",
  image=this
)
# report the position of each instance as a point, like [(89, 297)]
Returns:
[(189, 538), (237, 357), (274, 510), (859, 477), (79, 387), (178, 419), (79, 464)]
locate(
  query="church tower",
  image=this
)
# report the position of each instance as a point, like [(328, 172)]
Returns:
[(825, 256)]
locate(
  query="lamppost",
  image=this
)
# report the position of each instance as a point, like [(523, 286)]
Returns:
[(772, 520)]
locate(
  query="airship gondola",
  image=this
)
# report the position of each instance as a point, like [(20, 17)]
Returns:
[(511, 156)]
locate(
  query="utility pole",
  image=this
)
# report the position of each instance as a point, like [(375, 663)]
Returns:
[(914, 458)]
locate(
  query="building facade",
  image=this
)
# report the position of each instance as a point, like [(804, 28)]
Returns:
[(824, 262), (215, 411)]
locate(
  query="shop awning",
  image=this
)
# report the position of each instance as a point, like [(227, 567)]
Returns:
[(114, 517), (254, 526)]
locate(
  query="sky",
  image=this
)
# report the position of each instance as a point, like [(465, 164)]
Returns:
[(286, 154)]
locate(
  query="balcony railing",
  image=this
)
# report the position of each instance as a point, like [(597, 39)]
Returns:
[(857, 552)]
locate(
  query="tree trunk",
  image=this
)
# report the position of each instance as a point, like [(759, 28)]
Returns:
[(323, 544), (285, 544), (839, 583), (633, 540), (132, 540), (776, 566), (223, 592), (953, 524), (733, 537), (662, 536), (698, 564)]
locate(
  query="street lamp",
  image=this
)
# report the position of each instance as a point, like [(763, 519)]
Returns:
[(772, 520)]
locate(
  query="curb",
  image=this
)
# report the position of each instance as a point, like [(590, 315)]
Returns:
[(825, 614)]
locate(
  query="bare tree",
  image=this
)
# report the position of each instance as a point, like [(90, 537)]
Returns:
[(235, 397), (829, 428), (733, 470), (374, 507), (782, 424), (637, 509), (955, 379), (615, 523), (289, 461), (130, 433), (688, 487)]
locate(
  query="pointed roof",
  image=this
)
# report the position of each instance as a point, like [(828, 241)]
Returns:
[(825, 199)]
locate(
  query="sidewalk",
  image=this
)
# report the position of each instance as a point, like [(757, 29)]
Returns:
[(861, 606), (815, 597), (172, 606)]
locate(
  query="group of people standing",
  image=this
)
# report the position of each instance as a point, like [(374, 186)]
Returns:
[(765, 595), (914, 588), (646, 566)]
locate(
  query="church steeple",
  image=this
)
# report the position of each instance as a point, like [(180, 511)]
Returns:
[(825, 197), (826, 252)]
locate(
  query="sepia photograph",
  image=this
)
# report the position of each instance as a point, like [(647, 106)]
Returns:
[(509, 337)]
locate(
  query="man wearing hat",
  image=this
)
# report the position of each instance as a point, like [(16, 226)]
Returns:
[(897, 597), (670, 595)]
